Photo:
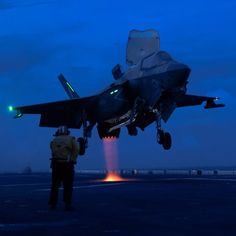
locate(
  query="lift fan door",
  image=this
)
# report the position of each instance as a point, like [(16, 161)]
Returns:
[(141, 44)]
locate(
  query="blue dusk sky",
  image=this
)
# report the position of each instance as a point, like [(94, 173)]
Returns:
[(83, 40)]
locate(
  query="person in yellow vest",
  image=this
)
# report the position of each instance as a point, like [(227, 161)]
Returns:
[(65, 150)]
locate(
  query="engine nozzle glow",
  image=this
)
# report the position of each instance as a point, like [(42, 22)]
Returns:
[(111, 155)]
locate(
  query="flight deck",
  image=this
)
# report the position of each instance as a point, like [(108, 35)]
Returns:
[(148, 203)]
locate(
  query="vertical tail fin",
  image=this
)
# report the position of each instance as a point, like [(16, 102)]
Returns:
[(68, 88)]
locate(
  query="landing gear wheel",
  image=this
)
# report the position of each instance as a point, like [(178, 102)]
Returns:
[(167, 141), (163, 138), (82, 143)]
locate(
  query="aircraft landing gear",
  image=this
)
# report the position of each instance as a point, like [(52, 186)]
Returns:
[(87, 132), (132, 130), (82, 142), (163, 138)]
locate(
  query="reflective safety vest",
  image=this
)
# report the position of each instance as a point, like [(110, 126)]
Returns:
[(64, 148)]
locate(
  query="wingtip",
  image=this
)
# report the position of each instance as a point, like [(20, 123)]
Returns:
[(10, 108), (60, 76), (17, 110), (211, 103)]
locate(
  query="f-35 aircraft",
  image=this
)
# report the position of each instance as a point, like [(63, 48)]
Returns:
[(151, 88)]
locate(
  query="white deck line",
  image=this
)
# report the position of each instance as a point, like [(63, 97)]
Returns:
[(86, 186)]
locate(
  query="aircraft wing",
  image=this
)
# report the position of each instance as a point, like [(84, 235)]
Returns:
[(54, 114), (192, 100)]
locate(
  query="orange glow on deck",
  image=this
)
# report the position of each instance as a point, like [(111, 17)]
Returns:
[(111, 158), (113, 177)]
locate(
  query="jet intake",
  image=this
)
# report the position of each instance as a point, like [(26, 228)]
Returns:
[(117, 72)]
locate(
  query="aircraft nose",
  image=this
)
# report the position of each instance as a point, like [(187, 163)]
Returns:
[(179, 72)]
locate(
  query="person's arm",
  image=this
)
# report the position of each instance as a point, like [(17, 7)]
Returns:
[(75, 149), (51, 150)]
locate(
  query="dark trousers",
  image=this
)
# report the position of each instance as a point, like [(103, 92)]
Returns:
[(62, 173)]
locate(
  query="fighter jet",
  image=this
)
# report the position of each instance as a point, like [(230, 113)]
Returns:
[(148, 91)]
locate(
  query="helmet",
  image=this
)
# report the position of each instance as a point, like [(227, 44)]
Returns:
[(62, 130)]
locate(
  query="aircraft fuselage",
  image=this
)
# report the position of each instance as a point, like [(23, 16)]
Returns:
[(115, 104)]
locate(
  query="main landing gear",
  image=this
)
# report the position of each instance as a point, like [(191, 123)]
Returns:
[(82, 142), (163, 138)]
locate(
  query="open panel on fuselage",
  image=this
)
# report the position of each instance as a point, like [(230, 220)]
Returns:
[(141, 44)]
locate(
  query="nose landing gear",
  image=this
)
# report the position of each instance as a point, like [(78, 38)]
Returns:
[(87, 132)]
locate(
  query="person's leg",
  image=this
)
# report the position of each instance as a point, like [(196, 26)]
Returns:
[(68, 186), (56, 180)]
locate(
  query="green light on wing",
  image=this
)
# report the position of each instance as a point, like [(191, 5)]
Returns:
[(10, 108), (70, 87)]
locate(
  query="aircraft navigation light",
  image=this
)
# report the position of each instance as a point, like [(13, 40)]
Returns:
[(10, 108), (70, 87)]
